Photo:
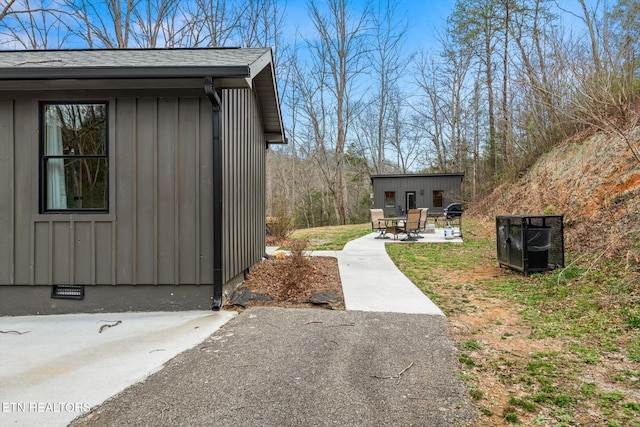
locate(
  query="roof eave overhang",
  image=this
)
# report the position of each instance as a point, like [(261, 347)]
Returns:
[(83, 73), (428, 175), (264, 64), (419, 175), (237, 76)]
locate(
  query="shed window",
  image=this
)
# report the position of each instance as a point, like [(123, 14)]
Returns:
[(438, 199), (389, 199), (74, 169)]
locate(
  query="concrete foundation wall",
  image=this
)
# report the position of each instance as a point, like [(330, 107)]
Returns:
[(33, 300)]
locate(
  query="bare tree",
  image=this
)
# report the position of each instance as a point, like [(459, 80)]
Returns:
[(431, 109), (6, 10), (108, 24), (601, 91), (367, 140), (387, 67), (505, 129), (262, 23), (152, 17), (315, 173), (34, 24), (340, 50), (209, 23), (475, 24), (403, 138), (453, 80), (534, 85), (591, 27), (476, 132)]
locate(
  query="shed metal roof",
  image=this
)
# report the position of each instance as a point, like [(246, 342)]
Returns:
[(236, 67)]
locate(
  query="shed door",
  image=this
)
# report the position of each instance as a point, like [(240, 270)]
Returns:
[(411, 200)]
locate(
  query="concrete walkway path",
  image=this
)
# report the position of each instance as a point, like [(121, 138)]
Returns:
[(372, 282)]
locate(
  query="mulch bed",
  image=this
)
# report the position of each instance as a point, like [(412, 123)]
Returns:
[(292, 281)]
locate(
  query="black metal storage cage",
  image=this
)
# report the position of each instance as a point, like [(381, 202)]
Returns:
[(530, 243)]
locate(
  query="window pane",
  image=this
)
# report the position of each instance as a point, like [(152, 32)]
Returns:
[(75, 162), (75, 129), (77, 183), (389, 199), (438, 197)]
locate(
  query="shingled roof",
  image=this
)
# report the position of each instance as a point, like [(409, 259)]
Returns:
[(233, 67)]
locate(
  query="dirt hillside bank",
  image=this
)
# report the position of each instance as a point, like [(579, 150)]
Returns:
[(593, 180)]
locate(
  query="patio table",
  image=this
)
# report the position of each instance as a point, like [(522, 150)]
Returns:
[(392, 225)]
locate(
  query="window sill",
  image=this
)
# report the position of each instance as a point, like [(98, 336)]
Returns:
[(74, 217)]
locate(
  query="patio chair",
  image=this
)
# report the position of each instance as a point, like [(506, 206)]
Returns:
[(412, 224), (377, 222), (423, 221)]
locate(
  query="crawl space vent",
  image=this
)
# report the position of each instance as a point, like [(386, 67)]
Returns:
[(67, 291)]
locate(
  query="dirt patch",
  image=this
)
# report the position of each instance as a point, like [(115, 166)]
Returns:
[(499, 353), (504, 345)]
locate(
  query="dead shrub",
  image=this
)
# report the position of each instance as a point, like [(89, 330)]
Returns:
[(280, 227), (296, 270), (298, 248)]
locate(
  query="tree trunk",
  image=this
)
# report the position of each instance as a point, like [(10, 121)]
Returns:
[(505, 80), (592, 36)]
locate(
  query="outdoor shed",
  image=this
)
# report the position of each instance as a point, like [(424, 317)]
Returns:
[(132, 179), (398, 193)]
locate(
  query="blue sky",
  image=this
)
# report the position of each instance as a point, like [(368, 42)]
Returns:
[(424, 16)]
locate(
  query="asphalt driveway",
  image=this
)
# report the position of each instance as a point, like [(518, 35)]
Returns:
[(303, 367)]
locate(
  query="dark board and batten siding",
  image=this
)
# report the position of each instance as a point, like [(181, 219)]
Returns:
[(450, 184), (244, 173), (8, 209), (164, 197), (158, 229)]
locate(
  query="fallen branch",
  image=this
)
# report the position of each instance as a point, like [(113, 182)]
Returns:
[(43, 61), (166, 407), (109, 325), (392, 377), (14, 332), (590, 265), (570, 264)]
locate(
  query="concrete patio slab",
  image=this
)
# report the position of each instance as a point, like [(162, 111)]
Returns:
[(52, 368)]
